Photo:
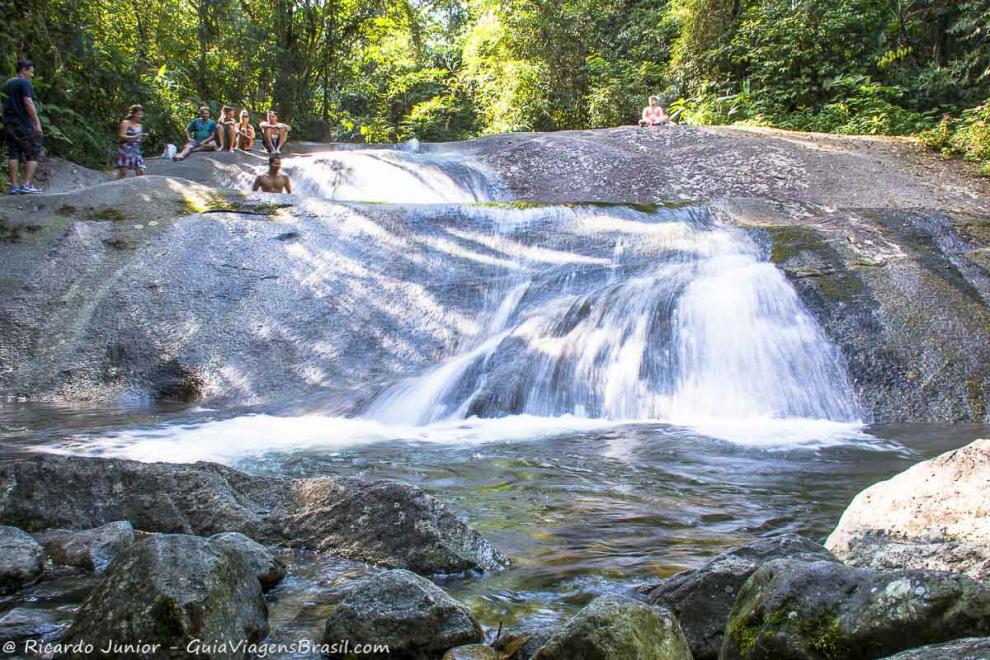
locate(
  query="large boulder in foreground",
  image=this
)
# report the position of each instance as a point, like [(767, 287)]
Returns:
[(89, 549), (172, 589), (933, 516), (791, 609), (269, 568), (20, 559), (407, 613), (614, 627), (382, 522), (701, 598)]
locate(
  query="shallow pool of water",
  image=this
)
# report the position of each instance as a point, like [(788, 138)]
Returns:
[(581, 507)]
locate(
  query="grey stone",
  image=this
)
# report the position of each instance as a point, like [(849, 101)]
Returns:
[(269, 569), (172, 589), (970, 648), (701, 598), (472, 652), (91, 549), (27, 623), (618, 628), (792, 609), (20, 559), (413, 616), (931, 516), (381, 522)]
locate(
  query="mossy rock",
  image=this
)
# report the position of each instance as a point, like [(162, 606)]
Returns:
[(829, 611)]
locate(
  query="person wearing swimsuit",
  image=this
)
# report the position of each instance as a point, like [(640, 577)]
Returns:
[(654, 114), (274, 133), (245, 132), (130, 134)]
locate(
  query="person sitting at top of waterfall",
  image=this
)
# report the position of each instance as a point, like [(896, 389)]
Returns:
[(201, 134), (654, 114), (274, 181), (245, 132), (273, 132), (227, 130)]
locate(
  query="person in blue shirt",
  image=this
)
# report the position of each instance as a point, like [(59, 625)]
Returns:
[(201, 134), (21, 128)]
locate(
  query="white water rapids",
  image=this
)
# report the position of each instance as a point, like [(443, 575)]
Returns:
[(590, 317)]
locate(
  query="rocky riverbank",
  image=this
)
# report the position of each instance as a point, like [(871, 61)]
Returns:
[(183, 555)]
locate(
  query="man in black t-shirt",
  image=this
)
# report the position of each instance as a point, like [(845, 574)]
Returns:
[(21, 128)]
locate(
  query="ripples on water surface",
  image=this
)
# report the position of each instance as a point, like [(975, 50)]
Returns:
[(581, 506)]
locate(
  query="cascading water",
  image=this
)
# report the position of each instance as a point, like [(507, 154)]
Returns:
[(386, 175), (665, 316)]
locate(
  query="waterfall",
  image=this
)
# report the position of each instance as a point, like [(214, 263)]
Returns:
[(615, 313), (387, 175)]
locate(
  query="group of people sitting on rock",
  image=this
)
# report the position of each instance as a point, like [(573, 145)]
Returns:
[(205, 134)]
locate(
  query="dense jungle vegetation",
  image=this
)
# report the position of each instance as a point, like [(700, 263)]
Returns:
[(384, 70)]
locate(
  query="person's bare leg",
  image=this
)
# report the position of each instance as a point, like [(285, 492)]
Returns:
[(122, 173), (185, 152), (29, 169), (282, 134), (266, 139), (12, 167), (231, 137)]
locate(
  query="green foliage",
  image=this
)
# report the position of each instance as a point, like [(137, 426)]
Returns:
[(378, 70), (967, 136)]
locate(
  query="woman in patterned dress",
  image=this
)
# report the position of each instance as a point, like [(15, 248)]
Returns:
[(130, 134)]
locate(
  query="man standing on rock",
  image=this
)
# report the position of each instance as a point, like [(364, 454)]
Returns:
[(21, 128)]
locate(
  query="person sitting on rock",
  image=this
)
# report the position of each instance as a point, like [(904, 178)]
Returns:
[(654, 114), (274, 181), (245, 132), (201, 134), (227, 131), (273, 132)]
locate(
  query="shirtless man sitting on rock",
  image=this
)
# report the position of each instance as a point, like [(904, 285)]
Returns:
[(274, 181), (654, 114)]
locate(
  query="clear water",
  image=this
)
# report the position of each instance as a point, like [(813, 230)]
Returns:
[(581, 511), (633, 392)]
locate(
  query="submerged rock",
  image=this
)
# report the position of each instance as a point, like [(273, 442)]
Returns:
[(702, 598), (269, 569), (472, 652), (793, 609), (408, 613), (970, 648), (20, 559), (617, 628), (172, 589), (90, 549), (381, 522), (933, 515)]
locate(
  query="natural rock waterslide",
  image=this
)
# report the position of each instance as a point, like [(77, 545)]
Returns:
[(404, 294), (164, 289)]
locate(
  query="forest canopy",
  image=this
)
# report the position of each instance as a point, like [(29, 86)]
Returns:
[(389, 70)]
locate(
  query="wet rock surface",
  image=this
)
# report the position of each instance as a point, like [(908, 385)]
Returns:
[(386, 523), (269, 568), (615, 628), (701, 599), (90, 549), (20, 559), (970, 648), (173, 589), (793, 609), (885, 243), (408, 613), (933, 516)]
